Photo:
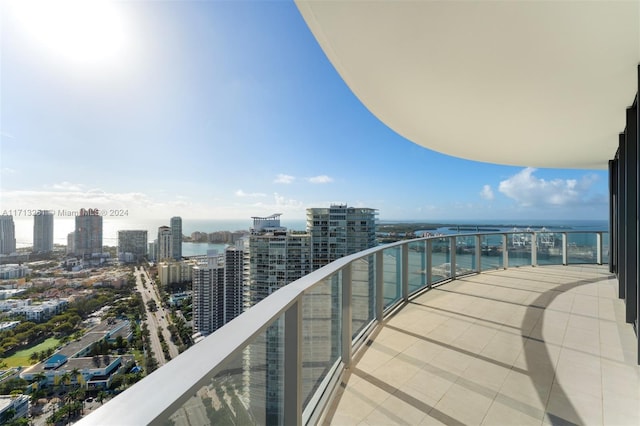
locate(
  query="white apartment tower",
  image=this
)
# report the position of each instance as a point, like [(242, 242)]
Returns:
[(340, 230), (164, 243), (217, 290), (43, 232), (208, 294), (277, 257)]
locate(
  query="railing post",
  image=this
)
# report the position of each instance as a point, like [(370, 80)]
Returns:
[(404, 273), (379, 285), (599, 248), (452, 257), (505, 251), (293, 364), (429, 263), (534, 249), (565, 252), (347, 298), (478, 253)]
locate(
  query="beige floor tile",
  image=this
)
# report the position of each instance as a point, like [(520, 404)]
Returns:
[(576, 407), (621, 409), (423, 350), (472, 411), (509, 413), (398, 409), (432, 384), (533, 391), (354, 406), (456, 356), (487, 374), (452, 361), (396, 372)]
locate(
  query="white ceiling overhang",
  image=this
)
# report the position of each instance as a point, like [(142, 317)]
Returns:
[(526, 83)]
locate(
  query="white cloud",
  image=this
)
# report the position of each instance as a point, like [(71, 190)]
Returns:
[(7, 135), (240, 193), (279, 204), (7, 171), (528, 190), (73, 199), (487, 193), (320, 179), (67, 186), (286, 179)]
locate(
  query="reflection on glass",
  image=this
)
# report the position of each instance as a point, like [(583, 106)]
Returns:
[(417, 265), (392, 272), (321, 331), (363, 286)]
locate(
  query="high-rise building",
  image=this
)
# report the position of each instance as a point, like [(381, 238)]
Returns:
[(277, 257), (208, 294), (43, 232), (132, 245), (153, 251), (71, 242), (88, 233), (176, 237), (7, 235), (218, 290), (164, 243), (339, 230), (234, 268)]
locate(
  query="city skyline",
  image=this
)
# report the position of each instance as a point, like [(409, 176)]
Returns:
[(220, 110)]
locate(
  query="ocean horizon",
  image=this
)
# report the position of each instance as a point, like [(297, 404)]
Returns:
[(63, 226)]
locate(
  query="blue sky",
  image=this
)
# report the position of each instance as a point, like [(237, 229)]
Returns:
[(225, 110)]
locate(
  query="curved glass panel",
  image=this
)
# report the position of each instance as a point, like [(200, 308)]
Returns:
[(417, 265), (466, 254), (321, 331), (519, 248), (549, 248), (491, 256), (363, 284), (581, 247), (441, 259), (392, 273)]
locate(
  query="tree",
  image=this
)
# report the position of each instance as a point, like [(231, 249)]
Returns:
[(65, 379), (6, 416), (39, 378), (75, 373)]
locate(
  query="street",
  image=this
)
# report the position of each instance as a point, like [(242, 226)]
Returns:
[(157, 319)]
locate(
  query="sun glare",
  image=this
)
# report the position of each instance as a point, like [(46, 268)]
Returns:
[(80, 32)]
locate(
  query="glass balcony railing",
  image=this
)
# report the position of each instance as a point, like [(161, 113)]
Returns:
[(279, 362)]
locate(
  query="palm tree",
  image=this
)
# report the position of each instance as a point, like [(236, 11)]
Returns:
[(75, 373), (39, 378), (65, 379)]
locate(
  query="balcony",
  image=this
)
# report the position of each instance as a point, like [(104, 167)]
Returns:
[(456, 330), (522, 346)]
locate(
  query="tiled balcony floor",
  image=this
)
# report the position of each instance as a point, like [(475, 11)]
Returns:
[(544, 345)]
